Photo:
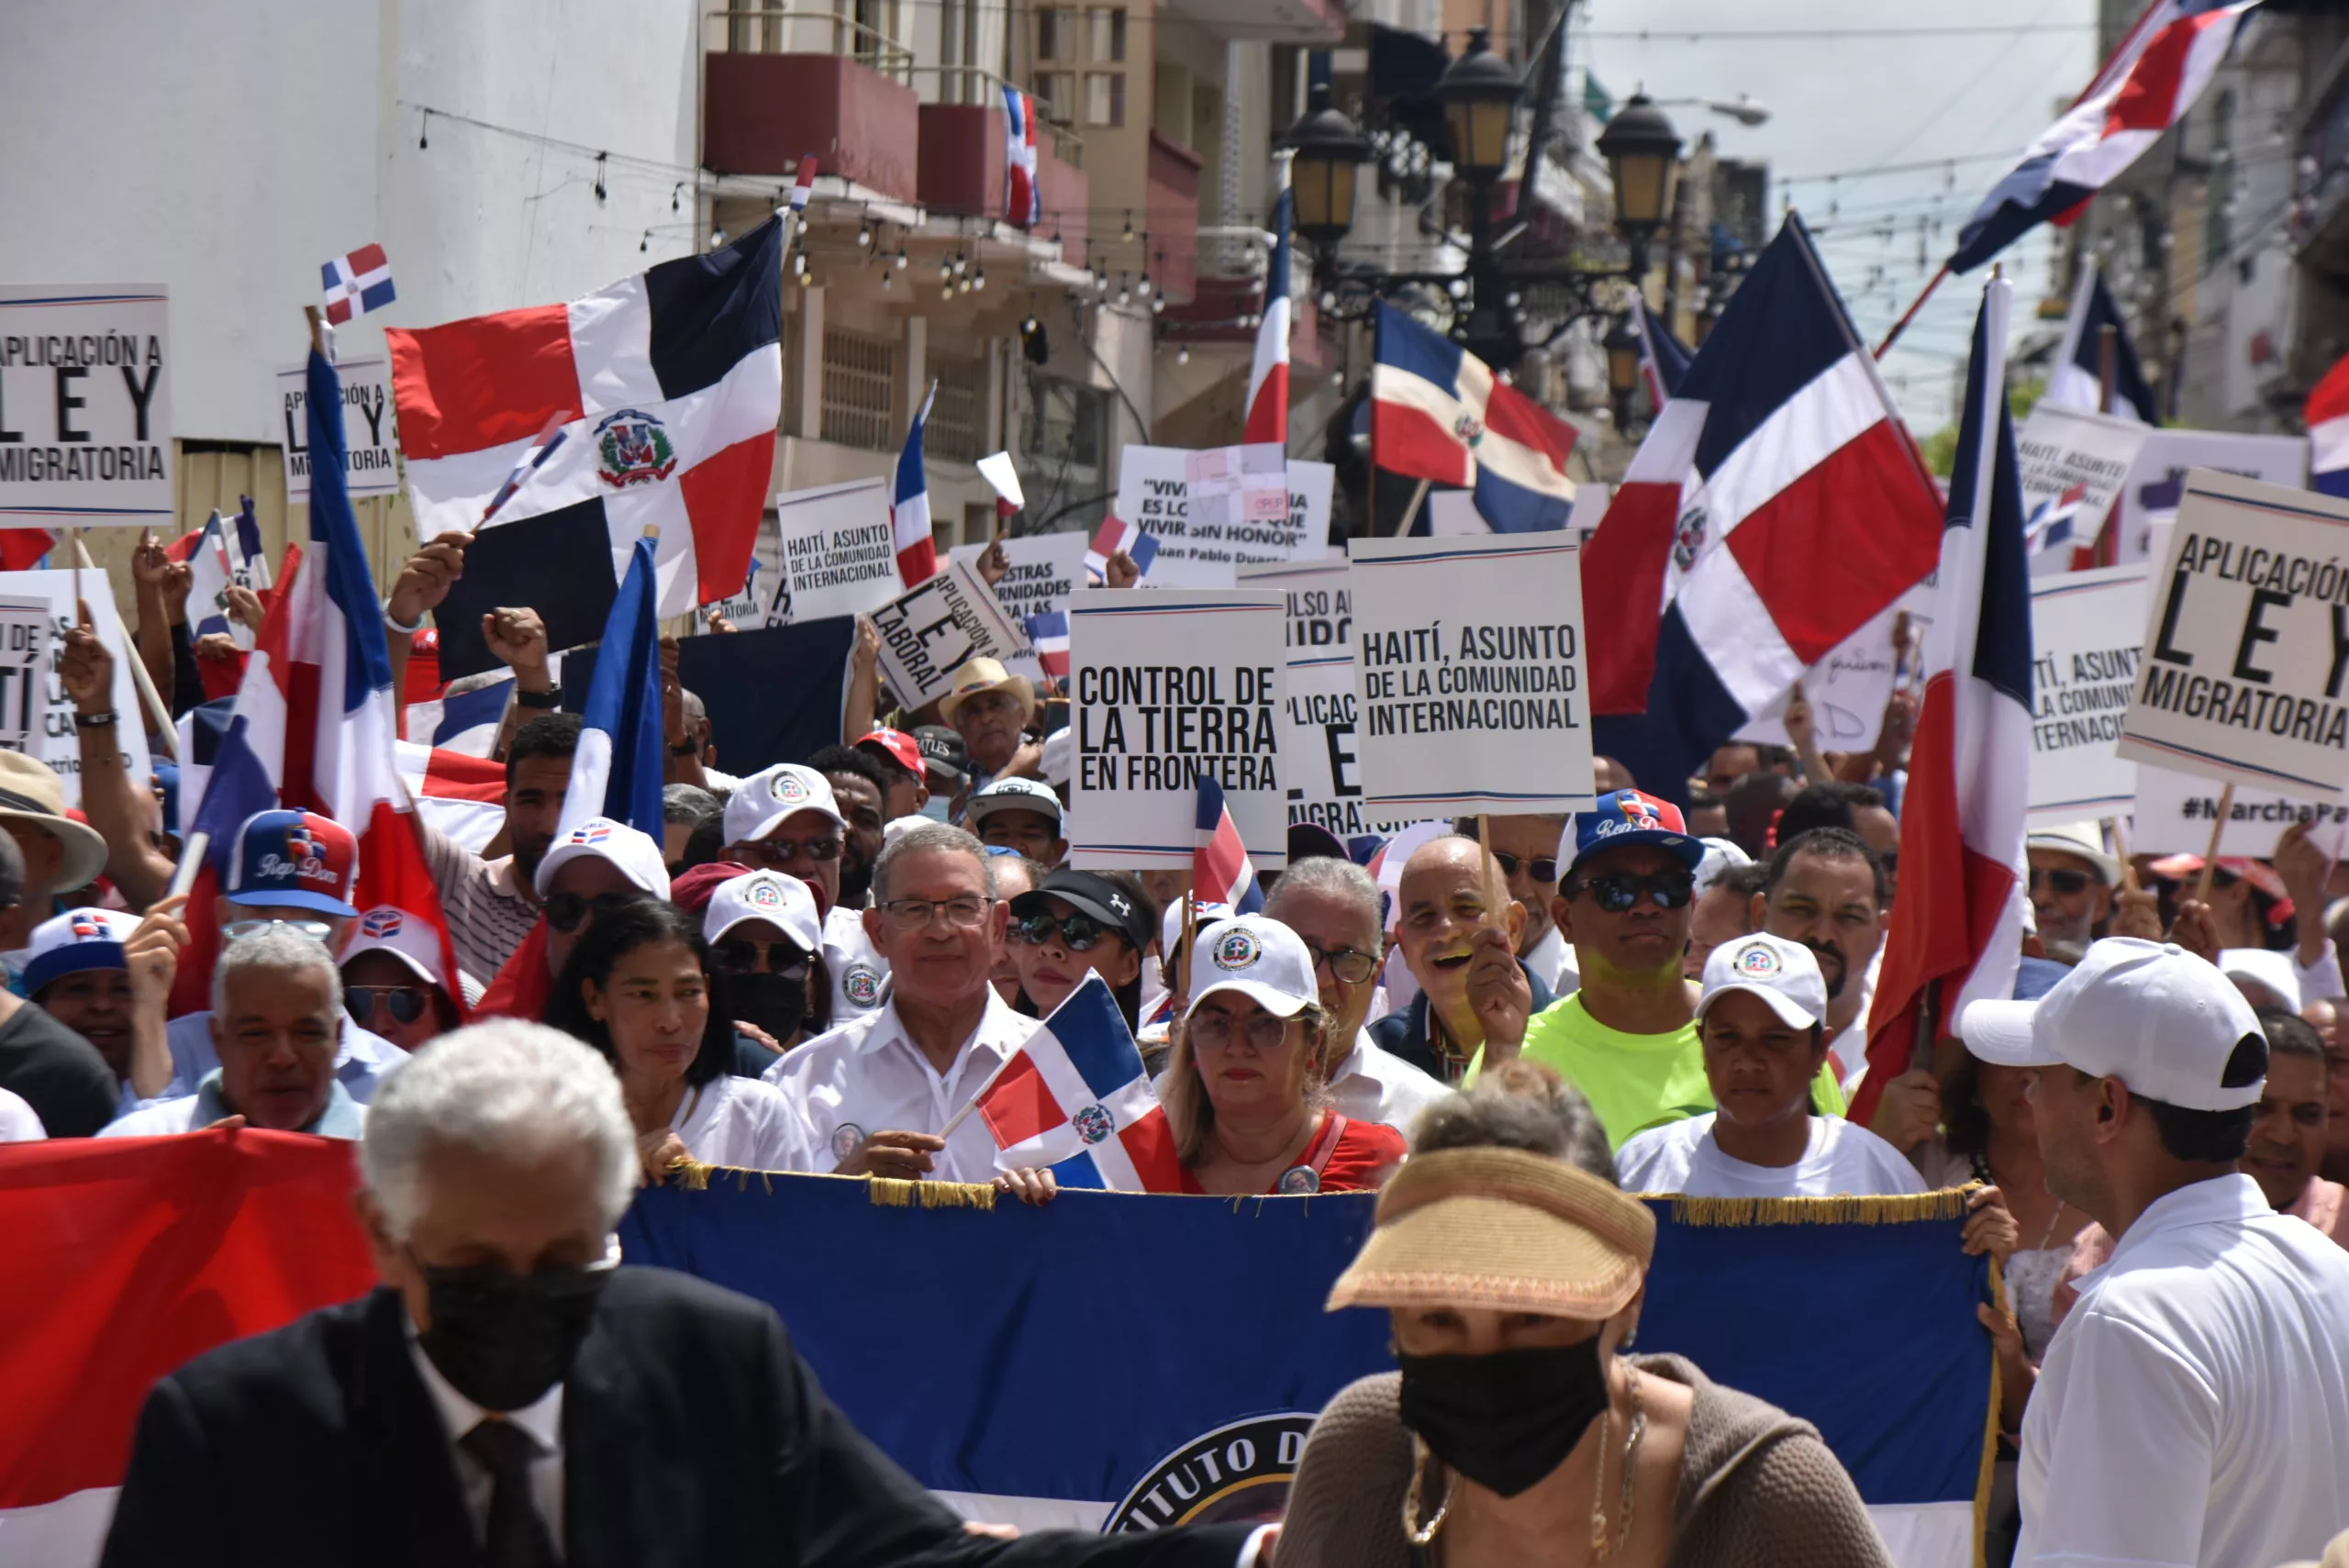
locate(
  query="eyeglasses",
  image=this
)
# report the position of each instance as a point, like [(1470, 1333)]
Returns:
[(1619, 893), (566, 911), (1079, 932), (316, 930), (964, 910), (1218, 1031), (406, 1004), (2067, 883), (1544, 868), (743, 956), (775, 853), (1351, 966)]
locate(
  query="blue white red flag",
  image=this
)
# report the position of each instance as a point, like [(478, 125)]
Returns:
[(227, 552), (1220, 869), (1116, 535), (1437, 414), (909, 505), (1957, 927), (2076, 378), (1077, 1099), (1268, 374), (547, 443), (616, 770), (1048, 635), (2327, 426), (805, 184), (1023, 202), (2146, 86), (1663, 359), (1777, 506), (2054, 521), (357, 283)]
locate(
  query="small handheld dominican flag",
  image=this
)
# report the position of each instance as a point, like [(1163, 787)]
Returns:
[(1116, 535), (357, 283), (909, 505), (1077, 1100), (1220, 869), (1023, 203), (1048, 635), (2054, 521)]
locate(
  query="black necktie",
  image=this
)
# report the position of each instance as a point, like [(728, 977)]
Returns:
[(516, 1536)]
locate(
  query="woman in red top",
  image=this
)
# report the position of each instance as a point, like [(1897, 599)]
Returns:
[(1242, 1089)]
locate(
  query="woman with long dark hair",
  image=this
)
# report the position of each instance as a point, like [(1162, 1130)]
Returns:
[(1078, 923)]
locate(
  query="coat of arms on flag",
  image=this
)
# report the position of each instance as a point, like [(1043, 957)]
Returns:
[(357, 283)]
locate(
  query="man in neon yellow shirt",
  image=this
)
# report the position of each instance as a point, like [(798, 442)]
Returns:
[(1628, 1038)]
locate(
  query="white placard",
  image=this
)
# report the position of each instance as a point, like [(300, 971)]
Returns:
[(1451, 513), (1165, 686), (2087, 628), (56, 742), (1153, 491), (2059, 447), (1319, 773), (85, 406), (2174, 812), (26, 661), (929, 632), (1848, 689), (839, 549), (370, 443), (2246, 669), (1468, 662), (2158, 478), (1045, 570), (754, 604)]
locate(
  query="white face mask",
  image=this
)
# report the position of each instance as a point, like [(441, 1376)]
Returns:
[(935, 807)]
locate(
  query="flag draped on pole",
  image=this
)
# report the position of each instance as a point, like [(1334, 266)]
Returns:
[(2327, 426), (803, 184), (1957, 927), (1077, 1099), (1221, 871), (1777, 506), (1663, 359), (1437, 414), (2076, 378), (2146, 86), (909, 504), (616, 772), (225, 552), (1268, 374), (1023, 202)]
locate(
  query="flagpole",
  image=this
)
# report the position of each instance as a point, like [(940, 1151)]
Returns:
[(2210, 850), (149, 698), (1911, 315)]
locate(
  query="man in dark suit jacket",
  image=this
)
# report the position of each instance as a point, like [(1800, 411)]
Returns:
[(510, 1400)]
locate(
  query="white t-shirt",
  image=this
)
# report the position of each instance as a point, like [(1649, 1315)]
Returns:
[(20, 1123), (744, 1125), (1843, 1161)]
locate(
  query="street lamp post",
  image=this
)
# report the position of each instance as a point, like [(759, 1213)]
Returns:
[(1642, 149)]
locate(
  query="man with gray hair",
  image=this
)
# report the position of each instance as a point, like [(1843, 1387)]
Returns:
[(276, 1024), (512, 1396)]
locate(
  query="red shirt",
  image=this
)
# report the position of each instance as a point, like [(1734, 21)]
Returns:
[(1349, 1155)]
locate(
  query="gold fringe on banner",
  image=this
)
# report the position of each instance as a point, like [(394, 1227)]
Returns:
[(888, 1192), (1989, 1438), (1948, 1203)]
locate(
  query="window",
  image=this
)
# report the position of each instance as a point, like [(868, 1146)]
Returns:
[(957, 427), (1066, 424), (1108, 36), (1058, 91), (859, 389), (1055, 33), (1105, 98), (1170, 110)]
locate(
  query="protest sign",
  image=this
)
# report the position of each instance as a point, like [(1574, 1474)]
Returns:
[(2247, 641), (2157, 479), (2059, 447), (1045, 570), (929, 632), (49, 729), (1153, 494), (85, 406), (1849, 688), (2089, 627), (1469, 667), (2174, 811), (839, 551), (763, 596), (1319, 771), (372, 444), (1165, 686), (25, 665)]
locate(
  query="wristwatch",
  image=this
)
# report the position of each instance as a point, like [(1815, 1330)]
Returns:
[(551, 697)]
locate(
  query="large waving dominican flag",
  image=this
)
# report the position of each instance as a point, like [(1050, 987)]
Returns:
[(1437, 414), (1221, 871), (1077, 1099), (2327, 426), (2145, 87), (1023, 203), (1958, 926), (1777, 506), (909, 505), (616, 770), (1268, 375), (669, 386)]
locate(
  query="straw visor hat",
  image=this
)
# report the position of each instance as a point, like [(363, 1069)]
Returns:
[(1505, 1229)]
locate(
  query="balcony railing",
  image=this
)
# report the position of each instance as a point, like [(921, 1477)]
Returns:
[(785, 29)]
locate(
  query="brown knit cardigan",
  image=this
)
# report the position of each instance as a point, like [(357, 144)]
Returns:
[(1758, 1488)]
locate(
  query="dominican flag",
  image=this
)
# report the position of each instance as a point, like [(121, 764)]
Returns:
[(466, 722), (909, 505), (226, 552), (1115, 536), (1437, 414), (2327, 426), (1957, 927), (1777, 506), (357, 283), (2077, 380), (616, 770), (666, 389), (1268, 376), (1048, 637), (459, 794), (21, 550), (803, 185), (1077, 1100), (2054, 521), (1023, 203), (1663, 359), (1221, 871), (2145, 87)]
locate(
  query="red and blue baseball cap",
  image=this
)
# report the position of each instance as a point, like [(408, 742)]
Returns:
[(1627, 817), (77, 939), (293, 860)]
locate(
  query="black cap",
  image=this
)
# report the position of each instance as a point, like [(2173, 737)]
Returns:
[(943, 749), (1311, 842), (1097, 897)]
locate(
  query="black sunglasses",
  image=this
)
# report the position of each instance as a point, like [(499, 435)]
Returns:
[(1618, 892), (1543, 867), (566, 911), (741, 956), (1079, 932), (406, 1004), (2063, 879)]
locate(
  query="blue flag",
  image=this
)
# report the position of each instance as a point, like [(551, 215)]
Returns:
[(616, 770)]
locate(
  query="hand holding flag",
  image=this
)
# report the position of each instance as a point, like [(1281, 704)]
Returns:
[(1076, 1101)]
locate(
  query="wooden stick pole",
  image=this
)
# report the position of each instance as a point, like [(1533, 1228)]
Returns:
[(2118, 826), (1411, 512), (2211, 853), (1183, 949), (1495, 893), (158, 712), (2107, 363)]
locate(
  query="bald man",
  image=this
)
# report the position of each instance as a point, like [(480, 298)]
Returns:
[(1460, 944)]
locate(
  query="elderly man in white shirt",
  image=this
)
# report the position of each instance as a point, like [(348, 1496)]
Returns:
[(1333, 907), (2194, 1408), (878, 1093)]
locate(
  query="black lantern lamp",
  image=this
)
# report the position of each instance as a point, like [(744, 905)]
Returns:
[(1479, 93), (1641, 150), (1329, 149)]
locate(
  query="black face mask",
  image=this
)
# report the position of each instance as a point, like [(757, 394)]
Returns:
[(775, 1003), (1506, 1420), (501, 1338)]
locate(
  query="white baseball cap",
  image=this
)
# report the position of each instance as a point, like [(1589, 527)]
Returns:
[(761, 802), (1782, 973), (2263, 966), (1170, 923), (402, 935), (1722, 857), (1261, 959), (2150, 1014), (784, 902), (75, 941), (1012, 794), (637, 855), (2081, 840)]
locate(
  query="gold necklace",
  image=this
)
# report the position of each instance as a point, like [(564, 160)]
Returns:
[(1602, 1545), (1420, 1534)]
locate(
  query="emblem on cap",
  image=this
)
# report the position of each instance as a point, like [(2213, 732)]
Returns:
[(788, 786), (847, 1139), (766, 894), (89, 925), (593, 833), (1235, 950), (1757, 961), (1094, 1125), (382, 923), (861, 984)]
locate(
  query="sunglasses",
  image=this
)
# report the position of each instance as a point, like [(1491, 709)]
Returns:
[(2068, 883), (773, 854), (743, 956), (406, 1004), (1078, 932), (316, 930), (1544, 868), (566, 911), (1619, 893)]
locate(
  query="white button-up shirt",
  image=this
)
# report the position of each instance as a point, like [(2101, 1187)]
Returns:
[(1375, 1085), (870, 1077), (544, 1424), (2194, 1408)]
